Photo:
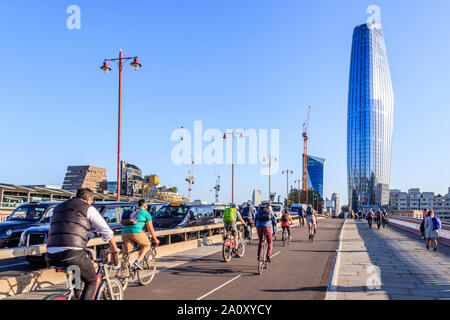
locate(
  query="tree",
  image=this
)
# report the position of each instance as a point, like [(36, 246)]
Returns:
[(345, 208)]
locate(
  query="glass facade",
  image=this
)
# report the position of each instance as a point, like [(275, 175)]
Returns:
[(370, 119), (314, 168)]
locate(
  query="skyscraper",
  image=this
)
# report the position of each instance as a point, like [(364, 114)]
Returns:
[(314, 168), (369, 119)]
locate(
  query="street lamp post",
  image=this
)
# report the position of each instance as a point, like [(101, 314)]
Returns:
[(136, 65), (225, 136), (287, 184), (269, 159), (298, 181)]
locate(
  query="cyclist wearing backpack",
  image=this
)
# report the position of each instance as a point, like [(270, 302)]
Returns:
[(286, 220), (248, 214), (432, 227), (311, 219), (133, 233), (265, 218), (230, 216)]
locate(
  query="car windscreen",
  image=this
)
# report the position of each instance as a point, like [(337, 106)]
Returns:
[(296, 209), (28, 212), (276, 208), (177, 212)]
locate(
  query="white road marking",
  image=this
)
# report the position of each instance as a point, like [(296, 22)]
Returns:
[(275, 254), (218, 287), (332, 283)]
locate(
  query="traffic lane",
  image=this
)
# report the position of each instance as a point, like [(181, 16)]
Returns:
[(300, 271), (15, 267), (195, 279)]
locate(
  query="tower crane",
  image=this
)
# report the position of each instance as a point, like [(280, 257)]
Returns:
[(305, 152), (191, 178), (217, 186)]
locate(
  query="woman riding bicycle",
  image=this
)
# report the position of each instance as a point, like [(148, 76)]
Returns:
[(265, 218), (286, 221)]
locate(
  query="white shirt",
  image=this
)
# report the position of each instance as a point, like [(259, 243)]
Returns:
[(99, 225)]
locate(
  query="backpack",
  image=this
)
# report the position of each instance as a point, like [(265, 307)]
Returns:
[(309, 211), (284, 218), (130, 217), (370, 214), (229, 215), (437, 223), (264, 215)]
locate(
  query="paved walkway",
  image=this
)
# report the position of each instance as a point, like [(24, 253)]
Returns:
[(387, 264)]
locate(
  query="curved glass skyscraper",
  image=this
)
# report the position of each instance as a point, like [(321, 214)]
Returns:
[(369, 119)]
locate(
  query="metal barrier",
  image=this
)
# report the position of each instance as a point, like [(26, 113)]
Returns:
[(40, 249)]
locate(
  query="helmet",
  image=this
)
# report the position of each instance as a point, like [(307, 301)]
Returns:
[(249, 203), (233, 205)]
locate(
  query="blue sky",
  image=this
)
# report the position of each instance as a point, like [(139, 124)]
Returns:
[(231, 64)]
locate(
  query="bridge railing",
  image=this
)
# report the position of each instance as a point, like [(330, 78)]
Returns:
[(10, 253)]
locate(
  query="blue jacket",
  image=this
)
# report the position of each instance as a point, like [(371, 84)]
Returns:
[(272, 222)]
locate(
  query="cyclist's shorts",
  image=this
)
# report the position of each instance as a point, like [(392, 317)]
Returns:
[(232, 226), (311, 220), (140, 239)]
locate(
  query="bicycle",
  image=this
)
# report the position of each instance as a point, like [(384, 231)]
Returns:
[(285, 238), (248, 227), (108, 288), (228, 245), (129, 271), (262, 261)]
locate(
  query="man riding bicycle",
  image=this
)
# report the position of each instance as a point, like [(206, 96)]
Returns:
[(134, 233), (70, 227), (286, 221), (265, 218), (311, 219), (248, 214), (230, 217)]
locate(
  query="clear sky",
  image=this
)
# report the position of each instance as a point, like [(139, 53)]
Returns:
[(229, 63)]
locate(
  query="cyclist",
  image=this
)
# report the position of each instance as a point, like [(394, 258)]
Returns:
[(286, 220), (311, 219), (134, 233), (230, 216), (265, 218), (70, 227), (248, 214)]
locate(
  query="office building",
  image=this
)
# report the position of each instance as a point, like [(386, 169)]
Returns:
[(369, 119), (315, 169), (337, 203), (131, 179), (84, 177), (257, 197)]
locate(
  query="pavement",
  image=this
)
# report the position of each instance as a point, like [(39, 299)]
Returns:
[(387, 264), (300, 271)]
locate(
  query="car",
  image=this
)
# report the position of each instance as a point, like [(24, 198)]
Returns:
[(277, 209), (177, 215), (25, 216), (36, 235), (152, 208)]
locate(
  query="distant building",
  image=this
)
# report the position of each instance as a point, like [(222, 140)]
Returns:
[(315, 169), (416, 200), (84, 177), (337, 203), (257, 197), (152, 180), (131, 179)]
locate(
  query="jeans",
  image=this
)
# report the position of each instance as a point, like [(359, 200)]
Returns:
[(268, 232), (87, 272)]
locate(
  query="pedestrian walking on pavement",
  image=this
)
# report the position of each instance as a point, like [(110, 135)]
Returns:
[(422, 224), (432, 226), (384, 218), (369, 217), (378, 218)]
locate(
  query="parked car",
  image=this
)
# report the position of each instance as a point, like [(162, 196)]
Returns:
[(152, 208), (110, 211), (25, 216)]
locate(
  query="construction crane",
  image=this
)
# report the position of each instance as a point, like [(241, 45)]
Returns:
[(305, 152), (217, 186), (191, 178)]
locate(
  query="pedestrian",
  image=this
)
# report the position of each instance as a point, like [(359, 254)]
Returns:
[(422, 224), (378, 218), (384, 218), (432, 226), (369, 217)]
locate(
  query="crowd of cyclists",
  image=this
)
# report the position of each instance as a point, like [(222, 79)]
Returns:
[(73, 219)]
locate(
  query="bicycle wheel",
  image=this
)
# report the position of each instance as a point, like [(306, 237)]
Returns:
[(241, 248), (226, 250), (123, 274), (104, 293), (284, 237), (146, 275), (262, 258)]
